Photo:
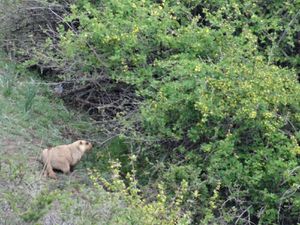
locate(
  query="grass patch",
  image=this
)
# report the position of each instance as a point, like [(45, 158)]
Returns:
[(31, 119), (39, 206)]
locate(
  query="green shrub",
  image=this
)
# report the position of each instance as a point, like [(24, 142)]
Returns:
[(139, 210), (274, 23), (217, 110)]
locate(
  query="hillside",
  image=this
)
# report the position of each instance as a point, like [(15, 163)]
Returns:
[(32, 119), (192, 107)]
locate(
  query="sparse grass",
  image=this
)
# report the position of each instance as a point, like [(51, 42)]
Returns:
[(32, 119)]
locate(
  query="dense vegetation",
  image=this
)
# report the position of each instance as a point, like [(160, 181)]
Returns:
[(212, 98)]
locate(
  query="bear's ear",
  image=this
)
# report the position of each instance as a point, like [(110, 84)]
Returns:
[(80, 142)]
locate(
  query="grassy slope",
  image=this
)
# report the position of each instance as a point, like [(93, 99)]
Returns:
[(25, 196)]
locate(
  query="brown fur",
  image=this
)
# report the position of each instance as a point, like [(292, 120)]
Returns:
[(63, 157)]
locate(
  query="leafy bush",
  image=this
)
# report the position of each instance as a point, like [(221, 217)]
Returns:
[(210, 99), (275, 24), (138, 209)]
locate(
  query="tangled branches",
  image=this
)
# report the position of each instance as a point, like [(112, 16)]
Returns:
[(23, 25), (103, 99)]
